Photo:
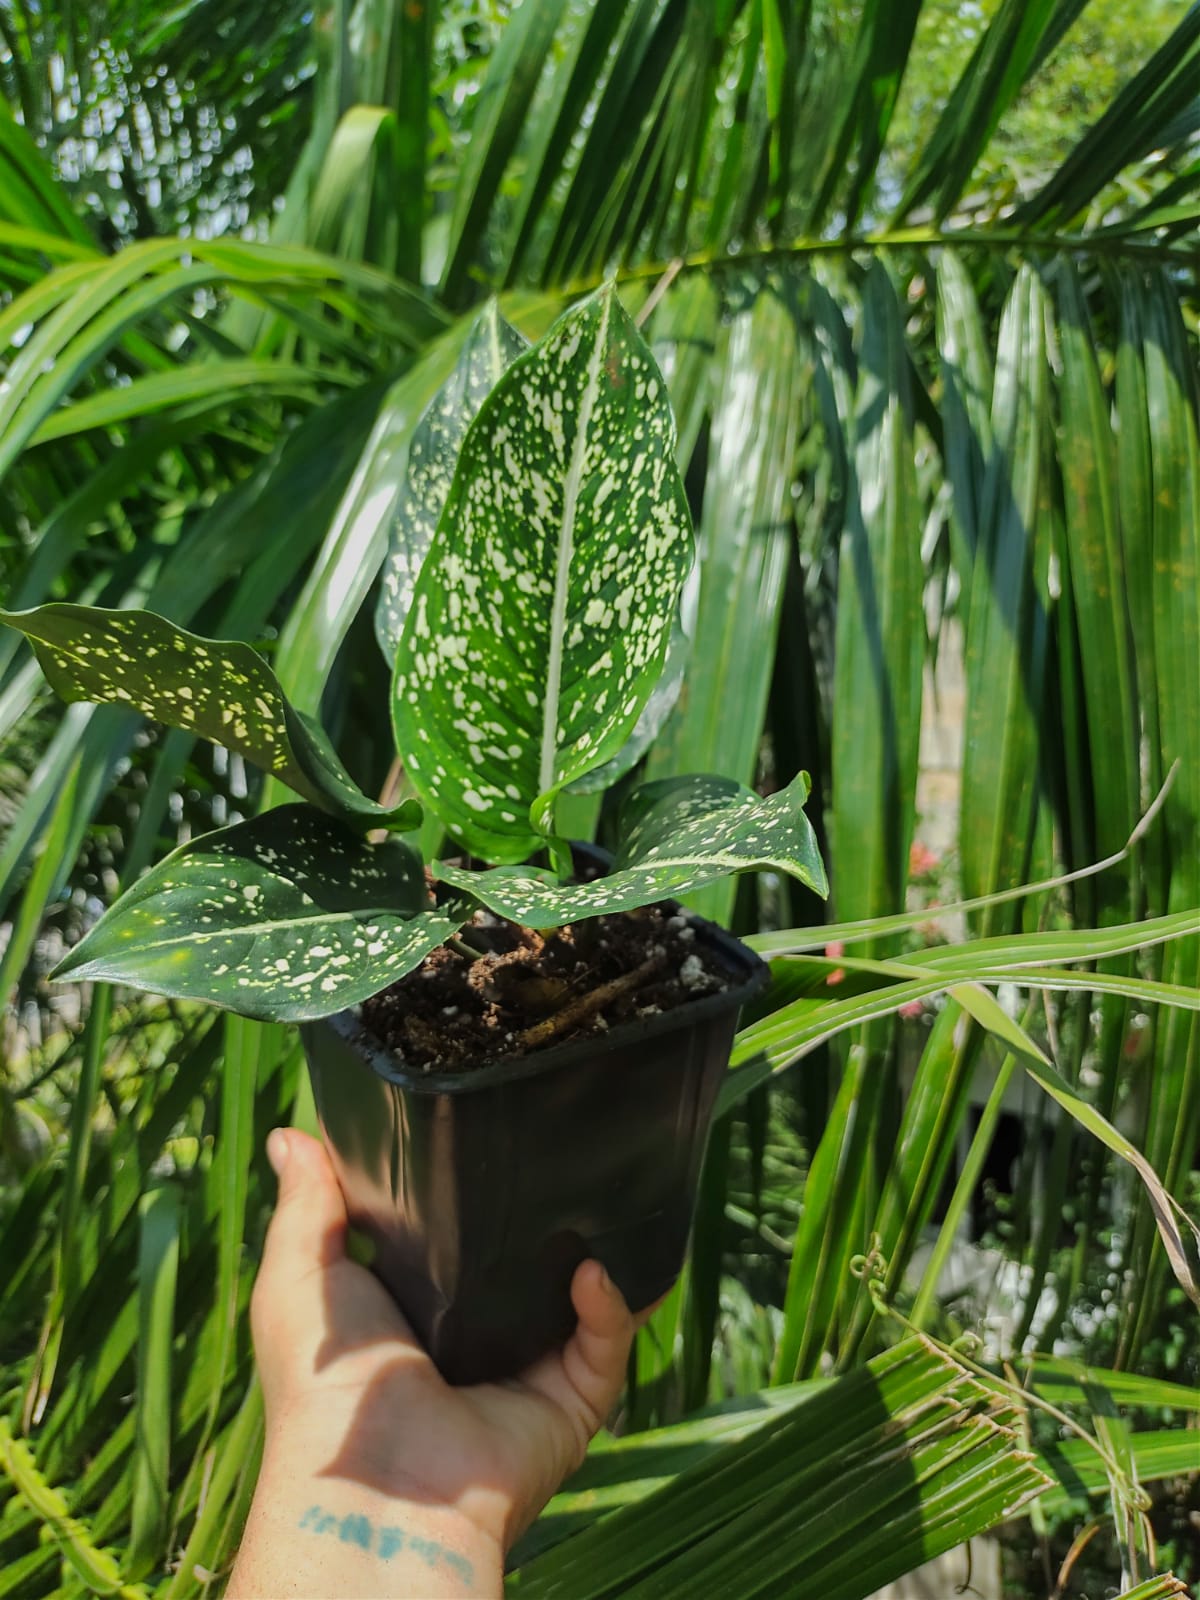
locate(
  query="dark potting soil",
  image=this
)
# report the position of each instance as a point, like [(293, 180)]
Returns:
[(528, 991)]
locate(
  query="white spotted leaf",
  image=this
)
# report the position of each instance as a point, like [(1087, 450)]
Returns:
[(217, 689), (491, 345), (662, 698), (287, 917), (542, 615), (678, 835)]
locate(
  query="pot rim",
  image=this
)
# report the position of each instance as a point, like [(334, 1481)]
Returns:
[(350, 1028)]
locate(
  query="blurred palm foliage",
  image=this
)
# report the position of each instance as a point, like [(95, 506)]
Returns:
[(937, 397)]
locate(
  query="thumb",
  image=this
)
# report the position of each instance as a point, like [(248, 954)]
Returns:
[(585, 1379), (307, 1236)]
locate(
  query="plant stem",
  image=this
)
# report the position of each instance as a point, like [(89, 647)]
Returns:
[(588, 1004)]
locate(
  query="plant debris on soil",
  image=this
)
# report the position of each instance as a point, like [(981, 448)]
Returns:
[(524, 991)]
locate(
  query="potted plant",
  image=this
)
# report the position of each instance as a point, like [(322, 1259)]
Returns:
[(514, 1051)]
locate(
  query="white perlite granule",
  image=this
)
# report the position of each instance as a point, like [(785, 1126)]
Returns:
[(692, 974)]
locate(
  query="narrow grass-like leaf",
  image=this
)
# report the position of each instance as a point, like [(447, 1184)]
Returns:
[(681, 833), (1166, 1587), (43, 201), (1138, 440), (542, 615), (504, 98), (622, 1469), (1080, 1470), (66, 1269), (356, 540), (241, 1441), (287, 917), (413, 28), (217, 384), (158, 1266), (829, 1222), (96, 1569), (1007, 51), (1097, 570), (215, 688), (926, 1144), (551, 134), (973, 967), (880, 632), (352, 209), (1172, 426), (43, 883), (1061, 1380), (966, 1186), (793, 1029), (490, 347), (1130, 128), (905, 1449), (998, 488), (742, 542), (855, 139), (1182, 1245), (247, 1044), (619, 158), (1099, 772), (106, 298)]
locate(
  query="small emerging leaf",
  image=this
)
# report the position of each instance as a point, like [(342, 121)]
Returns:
[(680, 834), (285, 918), (217, 689), (490, 347), (541, 618)]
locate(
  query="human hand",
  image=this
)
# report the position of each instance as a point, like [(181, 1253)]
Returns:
[(359, 1422)]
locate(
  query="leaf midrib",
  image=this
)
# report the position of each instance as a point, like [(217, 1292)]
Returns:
[(198, 935), (566, 547)]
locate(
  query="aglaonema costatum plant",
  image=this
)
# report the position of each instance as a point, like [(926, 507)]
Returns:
[(529, 610)]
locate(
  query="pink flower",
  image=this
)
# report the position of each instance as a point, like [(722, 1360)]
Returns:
[(833, 950), (911, 1008), (921, 859)]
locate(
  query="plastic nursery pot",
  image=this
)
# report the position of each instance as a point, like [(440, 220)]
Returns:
[(483, 1190)]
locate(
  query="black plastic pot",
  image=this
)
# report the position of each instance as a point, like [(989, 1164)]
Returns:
[(482, 1191)]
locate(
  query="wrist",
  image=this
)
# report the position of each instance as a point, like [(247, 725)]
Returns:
[(345, 1533), (395, 1462)]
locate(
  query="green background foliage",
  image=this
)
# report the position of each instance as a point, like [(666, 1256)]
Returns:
[(926, 313)]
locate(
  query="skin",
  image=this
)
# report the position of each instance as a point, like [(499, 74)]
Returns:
[(378, 1478)]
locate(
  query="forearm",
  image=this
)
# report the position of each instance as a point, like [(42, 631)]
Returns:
[(325, 1537)]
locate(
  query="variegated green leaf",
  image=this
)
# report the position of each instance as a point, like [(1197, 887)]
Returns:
[(287, 917), (491, 345), (661, 703), (680, 833), (217, 689), (542, 616)]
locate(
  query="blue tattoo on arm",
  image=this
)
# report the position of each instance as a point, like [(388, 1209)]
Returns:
[(358, 1530)]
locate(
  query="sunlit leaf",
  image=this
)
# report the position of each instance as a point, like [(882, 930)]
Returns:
[(287, 917), (160, 1219), (216, 688), (856, 1484), (542, 616), (657, 708), (680, 833), (491, 345)]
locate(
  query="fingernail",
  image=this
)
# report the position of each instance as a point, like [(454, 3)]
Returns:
[(605, 1280), (278, 1150)]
